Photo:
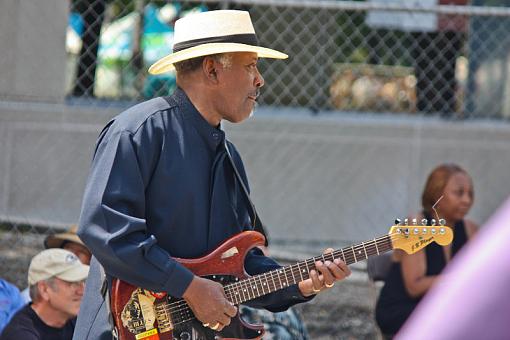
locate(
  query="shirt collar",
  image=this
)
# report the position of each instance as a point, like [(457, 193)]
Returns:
[(213, 135)]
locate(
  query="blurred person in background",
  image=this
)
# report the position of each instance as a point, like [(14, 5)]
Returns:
[(10, 302), (56, 278), (472, 293), (67, 240), (411, 276), (165, 182)]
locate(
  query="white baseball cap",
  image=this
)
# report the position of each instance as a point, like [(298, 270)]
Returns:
[(56, 262)]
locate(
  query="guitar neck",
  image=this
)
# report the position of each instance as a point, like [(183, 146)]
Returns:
[(284, 277), (272, 281)]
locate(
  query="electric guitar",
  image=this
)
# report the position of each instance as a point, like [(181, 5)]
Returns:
[(141, 314)]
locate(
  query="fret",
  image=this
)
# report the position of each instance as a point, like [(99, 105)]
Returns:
[(278, 274), (256, 286), (376, 248), (299, 269), (274, 282), (266, 282), (292, 272), (261, 284), (286, 279), (343, 255), (365, 249), (354, 253), (245, 290), (236, 297)]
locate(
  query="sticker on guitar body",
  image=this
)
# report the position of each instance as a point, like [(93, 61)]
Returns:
[(138, 315)]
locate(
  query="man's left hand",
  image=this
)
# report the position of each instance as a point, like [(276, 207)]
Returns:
[(325, 276)]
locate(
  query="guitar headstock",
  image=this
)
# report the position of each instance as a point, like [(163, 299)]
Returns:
[(412, 237)]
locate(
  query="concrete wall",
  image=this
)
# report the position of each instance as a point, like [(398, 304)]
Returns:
[(333, 178), (32, 40)]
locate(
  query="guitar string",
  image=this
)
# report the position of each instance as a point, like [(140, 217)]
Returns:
[(381, 241), (181, 305), (387, 241), (188, 315), (174, 307)]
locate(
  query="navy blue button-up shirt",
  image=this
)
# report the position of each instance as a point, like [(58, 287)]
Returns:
[(162, 186)]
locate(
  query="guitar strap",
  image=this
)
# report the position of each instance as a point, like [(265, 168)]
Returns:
[(106, 296), (257, 223)]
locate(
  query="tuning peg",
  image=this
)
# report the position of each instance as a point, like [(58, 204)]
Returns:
[(397, 221), (406, 221), (442, 221), (424, 221), (433, 222), (415, 222)]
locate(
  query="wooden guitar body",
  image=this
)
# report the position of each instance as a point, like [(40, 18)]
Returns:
[(140, 314)]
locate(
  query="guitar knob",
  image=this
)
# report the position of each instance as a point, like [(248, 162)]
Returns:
[(424, 221), (415, 222), (397, 221), (442, 221), (406, 221), (433, 222)]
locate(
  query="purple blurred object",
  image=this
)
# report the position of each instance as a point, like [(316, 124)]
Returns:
[(472, 298)]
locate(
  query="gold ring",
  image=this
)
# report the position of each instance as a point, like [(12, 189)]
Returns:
[(316, 290), (205, 324), (215, 327), (329, 286)]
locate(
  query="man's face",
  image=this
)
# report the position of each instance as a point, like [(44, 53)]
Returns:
[(65, 297), (239, 85)]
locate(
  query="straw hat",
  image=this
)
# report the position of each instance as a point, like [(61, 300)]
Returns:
[(213, 32), (57, 240)]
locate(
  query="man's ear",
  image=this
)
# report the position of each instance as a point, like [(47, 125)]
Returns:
[(43, 288), (209, 66)]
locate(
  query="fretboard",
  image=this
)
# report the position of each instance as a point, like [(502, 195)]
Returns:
[(272, 281), (284, 277)]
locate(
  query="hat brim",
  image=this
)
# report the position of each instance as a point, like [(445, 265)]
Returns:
[(57, 240), (166, 64), (75, 274)]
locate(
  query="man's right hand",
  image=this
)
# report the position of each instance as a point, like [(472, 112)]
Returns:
[(207, 300)]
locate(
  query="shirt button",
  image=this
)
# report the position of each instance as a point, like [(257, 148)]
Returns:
[(216, 135)]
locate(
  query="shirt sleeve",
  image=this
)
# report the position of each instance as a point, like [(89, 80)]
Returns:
[(112, 221)]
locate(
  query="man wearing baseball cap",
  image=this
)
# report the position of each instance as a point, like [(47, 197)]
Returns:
[(56, 280)]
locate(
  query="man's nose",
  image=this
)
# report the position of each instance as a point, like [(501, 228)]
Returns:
[(259, 80)]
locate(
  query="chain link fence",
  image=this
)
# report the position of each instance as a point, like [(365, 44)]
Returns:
[(378, 57), (372, 56), (388, 59)]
